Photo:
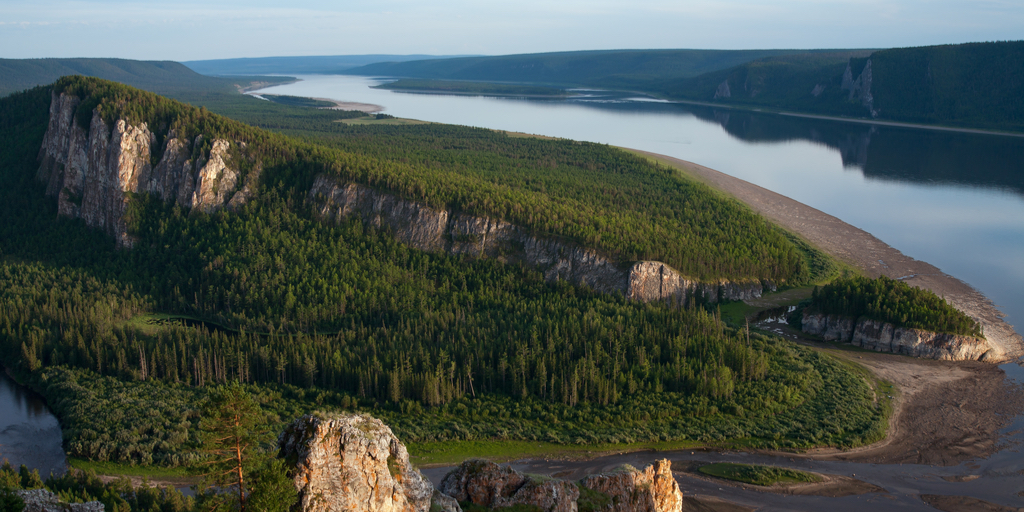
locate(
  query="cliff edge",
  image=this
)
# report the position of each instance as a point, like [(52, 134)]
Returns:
[(885, 337), (453, 232), (93, 170)]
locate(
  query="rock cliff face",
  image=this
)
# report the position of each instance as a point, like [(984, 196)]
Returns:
[(652, 490), (884, 337), (860, 89), (92, 171), (442, 230), (352, 462)]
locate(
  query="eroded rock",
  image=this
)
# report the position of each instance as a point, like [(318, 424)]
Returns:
[(885, 337), (630, 490), (93, 170), (352, 462)]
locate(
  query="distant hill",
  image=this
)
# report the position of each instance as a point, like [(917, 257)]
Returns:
[(975, 84), (326, 64), (971, 85), (162, 77), (605, 67)]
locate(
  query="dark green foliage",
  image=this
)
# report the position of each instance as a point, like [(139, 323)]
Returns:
[(297, 101), (80, 487), (466, 87), (238, 470), (591, 500), (756, 474), (892, 301), (604, 68), (163, 77), (976, 84), (315, 315)]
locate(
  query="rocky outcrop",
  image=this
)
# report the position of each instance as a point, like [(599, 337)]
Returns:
[(42, 500), (443, 230), (352, 462), (93, 170), (489, 485), (723, 90), (652, 490), (860, 89), (885, 337)]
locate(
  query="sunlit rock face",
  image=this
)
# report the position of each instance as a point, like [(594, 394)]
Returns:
[(884, 337), (352, 462), (93, 170)]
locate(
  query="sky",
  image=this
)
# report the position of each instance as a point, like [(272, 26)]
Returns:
[(184, 30)]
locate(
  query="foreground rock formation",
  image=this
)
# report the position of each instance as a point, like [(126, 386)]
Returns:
[(93, 170), (443, 230), (627, 489), (352, 462), (42, 500), (885, 337)]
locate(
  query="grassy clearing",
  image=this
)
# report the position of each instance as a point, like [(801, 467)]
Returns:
[(114, 469), (758, 475), (373, 120), (442, 453)]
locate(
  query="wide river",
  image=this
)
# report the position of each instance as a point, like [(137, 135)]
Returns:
[(955, 200)]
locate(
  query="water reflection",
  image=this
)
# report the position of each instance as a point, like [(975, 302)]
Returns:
[(880, 152), (29, 432)]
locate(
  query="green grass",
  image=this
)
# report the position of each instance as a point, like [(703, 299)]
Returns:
[(757, 475), (114, 469), (440, 453), (373, 120)]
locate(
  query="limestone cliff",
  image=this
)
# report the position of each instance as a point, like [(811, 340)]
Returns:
[(885, 337), (443, 230), (352, 462), (93, 170), (860, 89)]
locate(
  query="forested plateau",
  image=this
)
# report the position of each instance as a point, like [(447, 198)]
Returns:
[(123, 339)]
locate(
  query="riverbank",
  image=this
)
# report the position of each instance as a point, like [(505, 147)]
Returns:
[(858, 248)]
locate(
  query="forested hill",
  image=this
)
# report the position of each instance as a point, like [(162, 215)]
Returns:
[(977, 85), (329, 315), (319, 64), (162, 77), (605, 68)]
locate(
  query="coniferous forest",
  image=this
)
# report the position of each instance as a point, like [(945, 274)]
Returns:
[(124, 343), (892, 301)]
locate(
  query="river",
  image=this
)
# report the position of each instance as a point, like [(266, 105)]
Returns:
[(955, 200), (29, 432)]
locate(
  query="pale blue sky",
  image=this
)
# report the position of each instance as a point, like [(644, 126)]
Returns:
[(193, 30)]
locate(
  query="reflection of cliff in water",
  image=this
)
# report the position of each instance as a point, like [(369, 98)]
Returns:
[(880, 152), (890, 153)]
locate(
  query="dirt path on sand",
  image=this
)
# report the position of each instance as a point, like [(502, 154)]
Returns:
[(859, 249)]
